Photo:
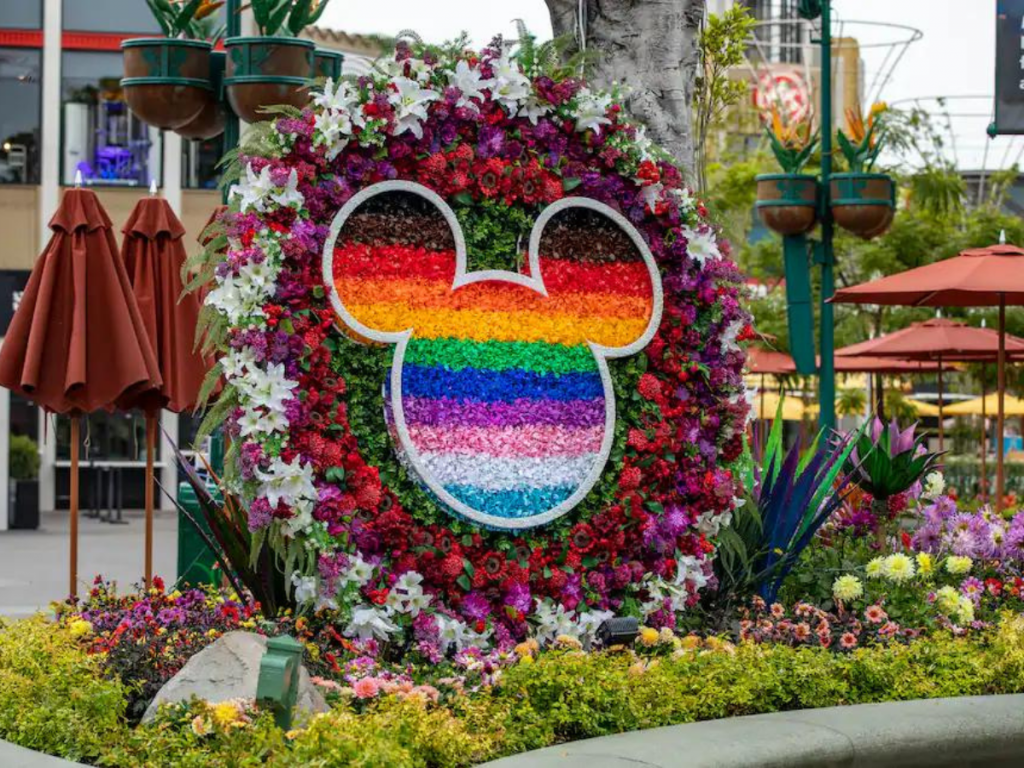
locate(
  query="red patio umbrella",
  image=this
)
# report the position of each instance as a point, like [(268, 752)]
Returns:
[(77, 342), (941, 340), (977, 277), (154, 255)]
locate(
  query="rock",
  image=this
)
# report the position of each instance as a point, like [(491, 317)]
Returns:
[(229, 669)]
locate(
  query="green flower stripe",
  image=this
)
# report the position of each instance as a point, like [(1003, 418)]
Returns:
[(538, 357)]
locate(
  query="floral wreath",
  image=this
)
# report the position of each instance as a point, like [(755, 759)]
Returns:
[(498, 136)]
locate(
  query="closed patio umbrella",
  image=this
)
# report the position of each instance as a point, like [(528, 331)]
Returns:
[(77, 342), (154, 255)]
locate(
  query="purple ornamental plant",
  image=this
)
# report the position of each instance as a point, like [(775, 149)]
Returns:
[(887, 461)]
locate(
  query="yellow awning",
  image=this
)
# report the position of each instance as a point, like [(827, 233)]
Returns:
[(1012, 406), (766, 405)]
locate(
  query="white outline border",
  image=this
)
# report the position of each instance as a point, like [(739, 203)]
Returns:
[(462, 277)]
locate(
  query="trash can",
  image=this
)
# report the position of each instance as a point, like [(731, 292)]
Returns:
[(197, 564)]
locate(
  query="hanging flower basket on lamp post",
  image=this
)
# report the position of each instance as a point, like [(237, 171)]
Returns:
[(167, 80), (863, 202), (328, 63), (275, 68), (787, 202), (213, 116)]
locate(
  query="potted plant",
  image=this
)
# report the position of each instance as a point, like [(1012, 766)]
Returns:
[(787, 202), (328, 64), (167, 79), (276, 67), (862, 202), (23, 510)]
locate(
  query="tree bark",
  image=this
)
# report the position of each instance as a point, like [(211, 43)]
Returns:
[(651, 46)]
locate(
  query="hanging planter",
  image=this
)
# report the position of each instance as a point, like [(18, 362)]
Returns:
[(265, 72), (787, 203), (167, 81), (328, 64), (213, 116), (862, 203)]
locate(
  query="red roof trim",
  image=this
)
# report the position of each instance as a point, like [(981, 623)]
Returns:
[(70, 41)]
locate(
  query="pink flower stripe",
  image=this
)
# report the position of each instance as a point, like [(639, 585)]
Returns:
[(508, 442)]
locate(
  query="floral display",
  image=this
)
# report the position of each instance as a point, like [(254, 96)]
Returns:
[(497, 400), (500, 141)]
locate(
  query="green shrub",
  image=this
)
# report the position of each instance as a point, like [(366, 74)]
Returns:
[(24, 458), (52, 696), (52, 699)]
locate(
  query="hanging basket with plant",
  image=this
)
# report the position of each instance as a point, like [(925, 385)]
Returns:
[(862, 202), (167, 79), (787, 202), (328, 64), (276, 67)]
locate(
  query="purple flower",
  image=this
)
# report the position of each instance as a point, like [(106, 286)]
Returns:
[(475, 606), (518, 597)]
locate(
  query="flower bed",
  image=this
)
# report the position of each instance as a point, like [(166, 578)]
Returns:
[(540, 698)]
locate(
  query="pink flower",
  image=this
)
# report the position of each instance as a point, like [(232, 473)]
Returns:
[(875, 614), (848, 640), (366, 688)]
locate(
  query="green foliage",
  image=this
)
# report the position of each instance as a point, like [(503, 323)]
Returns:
[(191, 19), (887, 461), (24, 458), (286, 18), (790, 498), (52, 696), (793, 148), (851, 401), (722, 46), (54, 700)]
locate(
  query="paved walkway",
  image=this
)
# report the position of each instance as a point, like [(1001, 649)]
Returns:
[(34, 564)]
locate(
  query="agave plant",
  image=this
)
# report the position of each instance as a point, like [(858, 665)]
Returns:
[(193, 19), (887, 461), (790, 498), (862, 140), (792, 144), (246, 560), (285, 18)]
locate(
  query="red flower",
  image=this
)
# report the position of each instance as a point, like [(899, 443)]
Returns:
[(649, 387), (582, 537), (630, 478), (493, 565), (488, 176)]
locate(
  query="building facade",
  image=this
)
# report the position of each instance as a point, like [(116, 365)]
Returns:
[(62, 112)]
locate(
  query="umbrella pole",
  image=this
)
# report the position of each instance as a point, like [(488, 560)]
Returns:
[(150, 450), (73, 511), (984, 440), (1000, 413), (942, 432)]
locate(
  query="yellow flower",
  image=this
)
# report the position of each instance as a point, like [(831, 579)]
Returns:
[(666, 635), (648, 636), (847, 588), (212, 633), (874, 568), (690, 642), (925, 563), (898, 567), (200, 726), (524, 649), (567, 642), (526, 660), (958, 564), (225, 713), (965, 610), (80, 628), (947, 599)]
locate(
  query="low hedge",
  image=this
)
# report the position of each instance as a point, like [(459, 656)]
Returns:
[(560, 696)]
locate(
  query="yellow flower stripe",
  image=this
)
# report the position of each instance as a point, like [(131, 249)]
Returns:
[(477, 325), (501, 297)]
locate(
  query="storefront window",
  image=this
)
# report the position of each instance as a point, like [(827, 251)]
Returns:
[(22, 14), (101, 137), (108, 16), (20, 95), (199, 163), (112, 456)]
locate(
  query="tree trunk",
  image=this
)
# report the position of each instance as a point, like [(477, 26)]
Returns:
[(649, 45)]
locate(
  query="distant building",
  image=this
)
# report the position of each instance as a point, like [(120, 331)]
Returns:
[(62, 111)]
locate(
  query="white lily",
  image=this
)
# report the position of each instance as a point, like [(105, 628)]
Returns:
[(511, 87), (269, 388), (370, 622), (470, 82), (701, 246), (592, 110), (534, 109), (411, 103), (289, 196), (290, 482), (253, 189)]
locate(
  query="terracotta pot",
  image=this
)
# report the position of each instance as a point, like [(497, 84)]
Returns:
[(862, 203), (328, 64), (167, 81), (787, 202), (213, 117), (265, 72)]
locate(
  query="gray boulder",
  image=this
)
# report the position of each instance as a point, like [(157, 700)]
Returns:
[(229, 669)]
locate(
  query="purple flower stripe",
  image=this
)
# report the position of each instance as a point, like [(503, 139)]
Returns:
[(443, 411)]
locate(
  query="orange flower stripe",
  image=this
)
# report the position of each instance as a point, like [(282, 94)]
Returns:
[(484, 325), (492, 296)]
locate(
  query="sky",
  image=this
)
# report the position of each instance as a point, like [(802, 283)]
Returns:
[(954, 57)]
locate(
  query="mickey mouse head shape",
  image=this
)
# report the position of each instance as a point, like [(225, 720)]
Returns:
[(499, 397)]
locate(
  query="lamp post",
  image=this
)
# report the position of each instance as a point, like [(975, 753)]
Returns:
[(824, 251)]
